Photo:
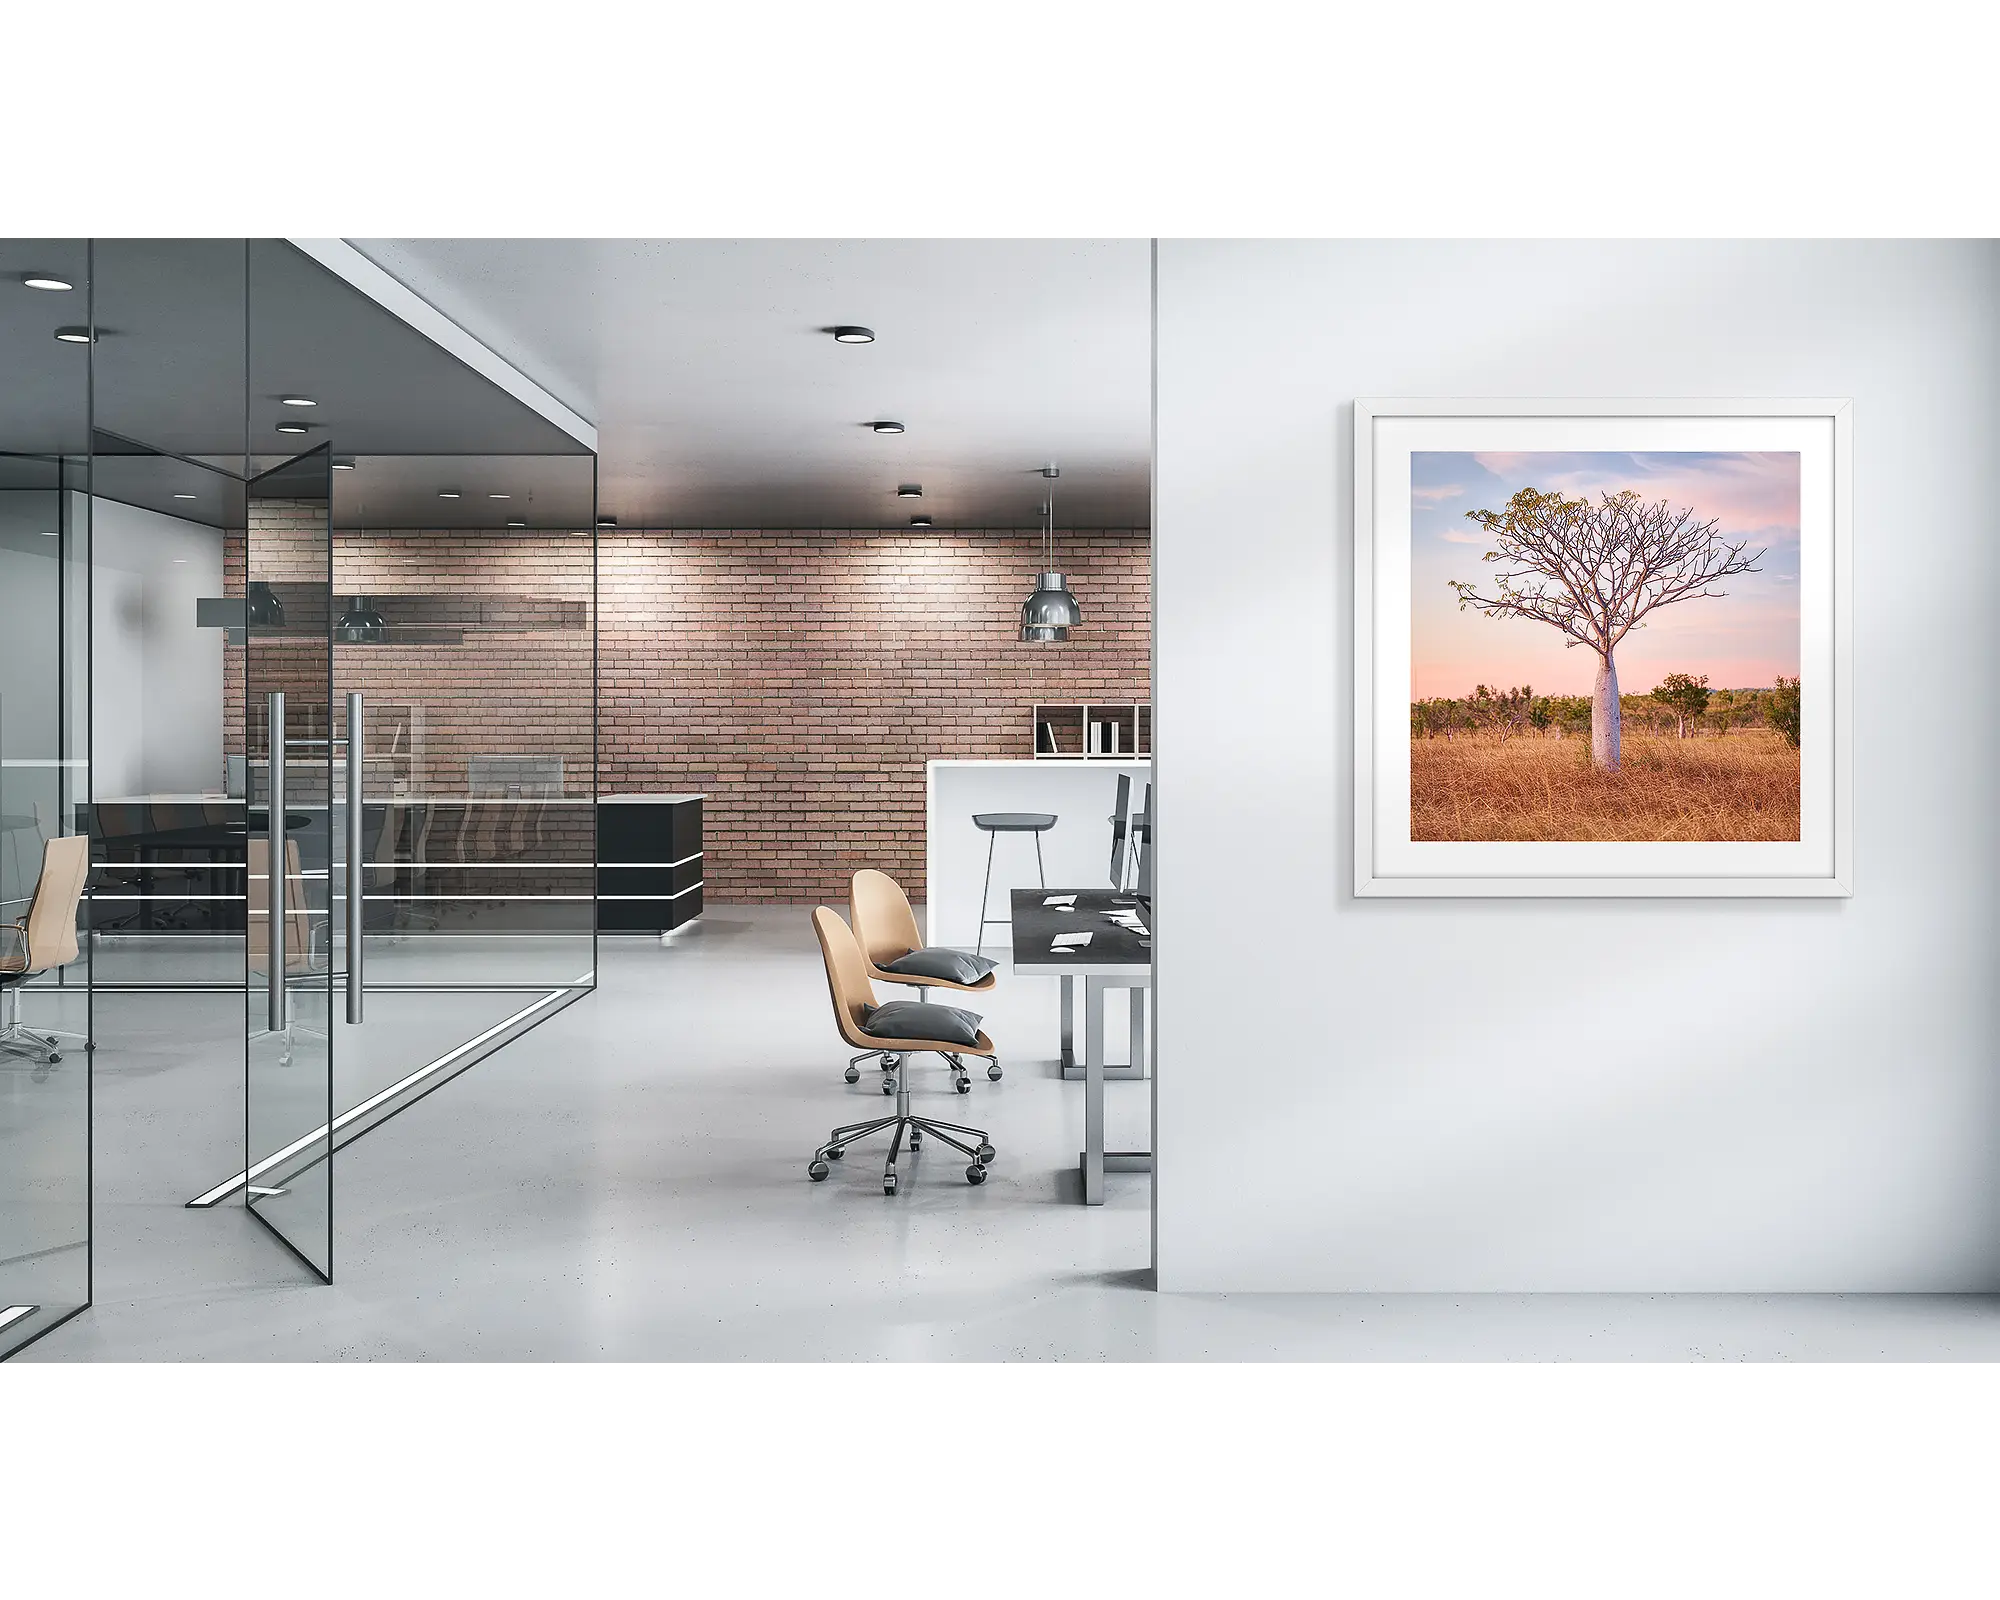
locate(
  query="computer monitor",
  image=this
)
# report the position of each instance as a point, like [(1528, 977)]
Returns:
[(1142, 825), (1119, 832)]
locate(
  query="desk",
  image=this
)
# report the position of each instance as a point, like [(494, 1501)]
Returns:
[(1115, 958)]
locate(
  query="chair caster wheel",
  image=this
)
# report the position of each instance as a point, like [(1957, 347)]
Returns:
[(852, 1074), (834, 1152), (986, 1153), (975, 1174), (889, 1184), (993, 1070), (916, 1140), (818, 1171), (965, 1086), (888, 1085), (53, 1060)]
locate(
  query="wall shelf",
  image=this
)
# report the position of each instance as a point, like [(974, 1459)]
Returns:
[(1090, 731)]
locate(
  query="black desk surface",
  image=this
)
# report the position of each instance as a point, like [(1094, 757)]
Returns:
[(1110, 945)]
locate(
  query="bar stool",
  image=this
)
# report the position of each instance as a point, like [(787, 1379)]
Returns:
[(993, 824)]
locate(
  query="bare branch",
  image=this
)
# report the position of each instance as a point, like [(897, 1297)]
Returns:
[(1594, 572)]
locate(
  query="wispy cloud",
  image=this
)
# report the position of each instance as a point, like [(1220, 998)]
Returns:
[(1437, 493), (1465, 536)]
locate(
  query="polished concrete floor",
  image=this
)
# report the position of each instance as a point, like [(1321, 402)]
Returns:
[(628, 1182)]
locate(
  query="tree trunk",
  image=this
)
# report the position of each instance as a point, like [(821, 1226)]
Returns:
[(1680, 727), (1604, 716)]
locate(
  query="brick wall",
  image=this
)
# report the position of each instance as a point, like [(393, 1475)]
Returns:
[(800, 679)]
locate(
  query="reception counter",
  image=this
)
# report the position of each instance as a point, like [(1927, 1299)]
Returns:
[(1076, 851)]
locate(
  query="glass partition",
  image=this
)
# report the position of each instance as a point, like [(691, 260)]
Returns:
[(288, 490), (465, 618), (45, 992)]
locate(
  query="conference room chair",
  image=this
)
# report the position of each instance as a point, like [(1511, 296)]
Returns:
[(907, 1027), (886, 927), (42, 941)]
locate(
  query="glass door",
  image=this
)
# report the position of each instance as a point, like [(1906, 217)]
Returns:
[(293, 849)]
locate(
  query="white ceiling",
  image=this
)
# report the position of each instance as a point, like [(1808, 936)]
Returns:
[(720, 403)]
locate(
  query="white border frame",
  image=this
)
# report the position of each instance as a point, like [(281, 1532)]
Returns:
[(1369, 883)]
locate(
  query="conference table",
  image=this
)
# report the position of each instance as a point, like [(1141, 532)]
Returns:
[(1047, 943)]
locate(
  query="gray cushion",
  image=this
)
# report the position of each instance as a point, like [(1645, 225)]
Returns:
[(950, 966), (909, 1019)]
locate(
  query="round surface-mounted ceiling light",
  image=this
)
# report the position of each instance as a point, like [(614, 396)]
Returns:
[(909, 491), (292, 427), (887, 427), (345, 464), (184, 497), (41, 280), (447, 494), (296, 400), (920, 522), (75, 335), (850, 333)]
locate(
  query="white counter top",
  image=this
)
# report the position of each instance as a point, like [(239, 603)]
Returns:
[(1053, 761)]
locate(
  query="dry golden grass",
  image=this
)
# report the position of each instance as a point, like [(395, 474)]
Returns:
[(1741, 786)]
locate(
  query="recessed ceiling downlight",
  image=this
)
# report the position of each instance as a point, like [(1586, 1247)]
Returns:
[(497, 496), (853, 333), (909, 491), (517, 524), (345, 464), (179, 496), (887, 427), (607, 522), (920, 522), (42, 280), (291, 427), (447, 494), (75, 335), (296, 400)]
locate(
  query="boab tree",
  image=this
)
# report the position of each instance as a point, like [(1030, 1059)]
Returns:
[(1685, 696), (1596, 572)]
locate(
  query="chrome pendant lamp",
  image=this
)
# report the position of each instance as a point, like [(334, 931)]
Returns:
[(361, 623), (1051, 611)]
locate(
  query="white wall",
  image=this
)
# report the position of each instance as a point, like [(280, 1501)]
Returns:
[(156, 678), (1568, 1095)]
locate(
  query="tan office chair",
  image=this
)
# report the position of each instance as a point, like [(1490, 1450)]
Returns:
[(855, 1014), (42, 941), (896, 953)]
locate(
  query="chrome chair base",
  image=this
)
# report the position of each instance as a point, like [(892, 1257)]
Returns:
[(961, 1075), (907, 1125), (45, 1047)]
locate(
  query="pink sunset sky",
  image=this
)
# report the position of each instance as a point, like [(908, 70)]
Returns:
[(1745, 640)]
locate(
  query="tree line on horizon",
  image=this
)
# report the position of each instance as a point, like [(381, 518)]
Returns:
[(1680, 706)]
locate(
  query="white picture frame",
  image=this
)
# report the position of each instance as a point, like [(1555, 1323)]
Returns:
[(1387, 862)]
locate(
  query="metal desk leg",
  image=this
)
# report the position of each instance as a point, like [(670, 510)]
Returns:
[(1135, 997), (1093, 1091), (1068, 1024)]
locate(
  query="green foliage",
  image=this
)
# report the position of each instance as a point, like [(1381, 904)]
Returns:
[(1685, 696), (1781, 710)]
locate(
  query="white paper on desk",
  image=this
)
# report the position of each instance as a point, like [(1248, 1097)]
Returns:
[(1067, 901), (1069, 941)]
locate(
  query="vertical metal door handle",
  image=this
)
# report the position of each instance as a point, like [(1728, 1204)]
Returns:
[(277, 930), (357, 867)]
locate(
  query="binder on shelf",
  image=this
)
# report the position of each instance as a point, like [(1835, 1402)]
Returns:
[(1045, 738)]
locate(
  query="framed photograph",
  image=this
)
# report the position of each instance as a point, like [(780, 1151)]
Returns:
[(1602, 647)]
